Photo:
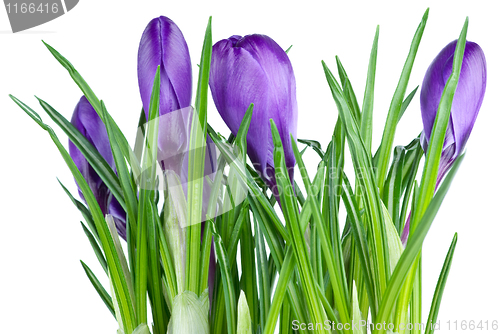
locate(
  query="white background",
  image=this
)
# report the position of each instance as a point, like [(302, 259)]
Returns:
[(42, 285)]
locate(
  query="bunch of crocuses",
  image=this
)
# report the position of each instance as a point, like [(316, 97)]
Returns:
[(220, 238)]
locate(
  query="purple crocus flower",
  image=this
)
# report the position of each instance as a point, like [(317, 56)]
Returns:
[(465, 107), (255, 69), (466, 102), (87, 121), (162, 44)]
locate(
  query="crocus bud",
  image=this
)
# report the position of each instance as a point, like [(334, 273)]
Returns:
[(87, 121), (162, 44), (255, 69), (466, 102), (464, 109)]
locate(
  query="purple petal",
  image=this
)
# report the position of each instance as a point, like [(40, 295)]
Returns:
[(87, 121), (163, 44), (468, 97), (120, 217), (254, 69), (236, 80)]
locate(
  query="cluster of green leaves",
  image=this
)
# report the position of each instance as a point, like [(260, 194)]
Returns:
[(305, 269)]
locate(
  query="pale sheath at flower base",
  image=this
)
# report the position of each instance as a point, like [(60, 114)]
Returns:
[(255, 69), (465, 107), (87, 121)]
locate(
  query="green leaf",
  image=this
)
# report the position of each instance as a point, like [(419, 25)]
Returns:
[(348, 91), (96, 104), (366, 126), (332, 253), (96, 248), (361, 243), (83, 209), (291, 214), (393, 185), (147, 183), (280, 292), (88, 150), (262, 274), (435, 148), (227, 281), (438, 292), (315, 145), (406, 103), (197, 144), (365, 176), (158, 306), (106, 298), (412, 161), (124, 305), (253, 187), (413, 248), (396, 105), (130, 192), (249, 270)]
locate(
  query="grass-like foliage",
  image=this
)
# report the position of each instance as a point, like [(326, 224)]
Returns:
[(228, 263)]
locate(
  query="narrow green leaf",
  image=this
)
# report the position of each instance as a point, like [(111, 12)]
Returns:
[(365, 176), (253, 187), (315, 145), (393, 185), (106, 298), (129, 191), (406, 103), (90, 153), (227, 281), (125, 305), (280, 292), (263, 275), (413, 248), (96, 248), (361, 244), (197, 144), (438, 292), (366, 127), (147, 182), (396, 104), (348, 91), (291, 214), (433, 155), (83, 209), (95, 102), (158, 306), (334, 263), (249, 269)]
